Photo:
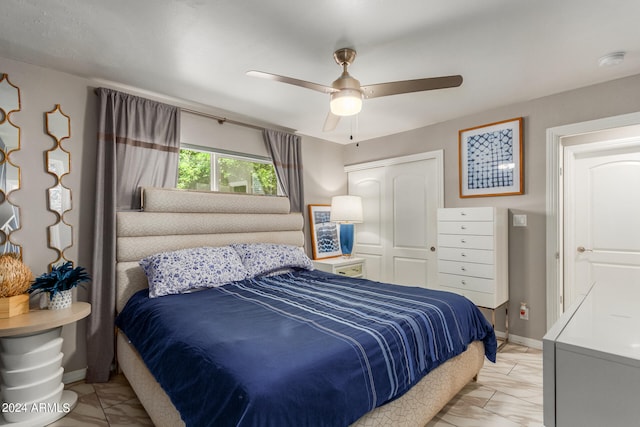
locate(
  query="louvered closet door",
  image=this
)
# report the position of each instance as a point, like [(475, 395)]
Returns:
[(400, 203)]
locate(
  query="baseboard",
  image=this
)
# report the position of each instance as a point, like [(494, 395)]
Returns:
[(74, 376), (528, 342)]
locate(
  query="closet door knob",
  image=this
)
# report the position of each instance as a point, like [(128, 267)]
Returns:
[(582, 249)]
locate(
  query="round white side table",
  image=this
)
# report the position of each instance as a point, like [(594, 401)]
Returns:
[(31, 375)]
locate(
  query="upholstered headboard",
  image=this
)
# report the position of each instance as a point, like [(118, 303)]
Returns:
[(178, 219)]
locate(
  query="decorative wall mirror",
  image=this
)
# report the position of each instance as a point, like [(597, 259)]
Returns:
[(9, 172), (59, 196)]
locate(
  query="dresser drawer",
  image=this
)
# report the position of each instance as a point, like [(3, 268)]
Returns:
[(466, 255), (481, 299), (465, 214), (462, 241), (354, 270), (468, 283), (482, 228), (466, 269)]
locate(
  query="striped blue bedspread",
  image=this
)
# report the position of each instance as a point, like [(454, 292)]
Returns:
[(301, 349)]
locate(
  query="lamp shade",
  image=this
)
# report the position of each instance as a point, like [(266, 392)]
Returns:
[(347, 102), (346, 209)]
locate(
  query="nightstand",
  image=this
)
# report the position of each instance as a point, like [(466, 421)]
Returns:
[(33, 394), (351, 267)]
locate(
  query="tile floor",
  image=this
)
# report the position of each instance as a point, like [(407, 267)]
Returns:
[(507, 394)]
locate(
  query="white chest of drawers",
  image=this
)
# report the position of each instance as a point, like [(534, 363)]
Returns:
[(473, 254)]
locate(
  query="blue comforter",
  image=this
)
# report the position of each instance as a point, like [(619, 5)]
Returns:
[(300, 349)]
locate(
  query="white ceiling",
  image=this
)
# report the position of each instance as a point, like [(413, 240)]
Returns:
[(198, 50)]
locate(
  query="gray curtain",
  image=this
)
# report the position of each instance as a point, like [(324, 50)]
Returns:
[(138, 145), (286, 152)]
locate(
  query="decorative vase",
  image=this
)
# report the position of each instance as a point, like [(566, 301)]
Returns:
[(60, 300)]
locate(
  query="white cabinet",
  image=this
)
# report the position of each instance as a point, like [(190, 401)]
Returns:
[(591, 360), (473, 254), (351, 267)]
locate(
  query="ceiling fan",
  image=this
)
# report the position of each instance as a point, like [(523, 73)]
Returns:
[(347, 93)]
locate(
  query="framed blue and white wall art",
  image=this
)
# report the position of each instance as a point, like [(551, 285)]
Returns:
[(325, 235), (490, 159)]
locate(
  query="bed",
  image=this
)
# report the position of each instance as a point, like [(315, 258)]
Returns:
[(283, 380)]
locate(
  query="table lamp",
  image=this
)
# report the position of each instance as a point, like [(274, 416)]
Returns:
[(346, 211)]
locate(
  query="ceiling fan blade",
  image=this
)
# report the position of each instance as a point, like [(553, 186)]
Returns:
[(330, 122), (290, 80), (408, 86)]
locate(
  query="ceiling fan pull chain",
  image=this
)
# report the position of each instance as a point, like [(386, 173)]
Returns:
[(354, 118)]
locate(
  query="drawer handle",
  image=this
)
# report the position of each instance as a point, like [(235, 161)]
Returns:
[(462, 227), (463, 213), (463, 269), (463, 254), (464, 282), (463, 241)]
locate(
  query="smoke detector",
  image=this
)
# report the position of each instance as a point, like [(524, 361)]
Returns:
[(611, 59)]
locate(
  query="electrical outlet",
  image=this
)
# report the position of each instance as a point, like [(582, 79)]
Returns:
[(524, 311)]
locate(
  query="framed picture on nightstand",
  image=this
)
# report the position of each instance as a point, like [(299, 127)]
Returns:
[(325, 235)]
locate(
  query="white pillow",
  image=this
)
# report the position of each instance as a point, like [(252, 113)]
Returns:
[(188, 269), (263, 258)]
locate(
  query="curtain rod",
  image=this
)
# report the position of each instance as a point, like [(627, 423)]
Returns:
[(221, 120)]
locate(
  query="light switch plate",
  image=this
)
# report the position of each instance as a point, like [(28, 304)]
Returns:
[(519, 220)]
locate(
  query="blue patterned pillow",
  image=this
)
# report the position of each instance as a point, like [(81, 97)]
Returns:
[(263, 258), (187, 269)]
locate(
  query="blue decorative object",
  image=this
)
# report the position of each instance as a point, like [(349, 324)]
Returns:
[(346, 239), (346, 211), (62, 277)]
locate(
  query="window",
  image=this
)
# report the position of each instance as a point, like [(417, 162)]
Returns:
[(203, 169)]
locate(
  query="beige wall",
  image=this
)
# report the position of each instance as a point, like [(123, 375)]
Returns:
[(527, 257)]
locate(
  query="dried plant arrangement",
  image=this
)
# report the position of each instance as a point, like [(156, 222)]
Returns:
[(15, 276)]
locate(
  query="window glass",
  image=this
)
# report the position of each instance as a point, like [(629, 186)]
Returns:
[(194, 170), (200, 169)]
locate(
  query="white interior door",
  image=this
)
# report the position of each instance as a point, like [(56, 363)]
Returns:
[(602, 217), (412, 211), (400, 202)]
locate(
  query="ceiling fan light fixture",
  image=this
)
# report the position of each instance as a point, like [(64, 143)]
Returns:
[(347, 102)]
